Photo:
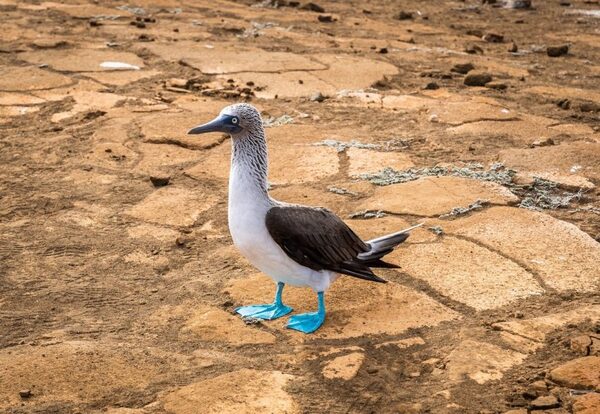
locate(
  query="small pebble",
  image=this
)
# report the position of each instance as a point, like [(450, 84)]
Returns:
[(501, 86), (318, 97), (25, 393), (403, 15), (313, 7), (431, 86), (463, 68), (160, 180), (477, 79), (474, 49), (493, 38), (556, 51), (325, 18)]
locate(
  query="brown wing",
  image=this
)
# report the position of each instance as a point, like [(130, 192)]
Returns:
[(318, 239)]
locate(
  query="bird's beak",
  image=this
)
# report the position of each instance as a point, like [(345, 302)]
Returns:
[(219, 124)]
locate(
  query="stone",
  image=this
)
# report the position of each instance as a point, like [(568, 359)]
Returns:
[(589, 107), (587, 404), (173, 206), (538, 328), (404, 15), (344, 367), (556, 51), (579, 374), (216, 325), (354, 309), (326, 18), (501, 86), (539, 386), (480, 361), (312, 7), (467, 273), (363, 161), (80, 60), (563, 256), (431, 86), (49, 43), (160, 180), (317, 97), (518, 4), (433, 196), (544, 402), (542, 143), (463, 68), (581, 344), (25, 393), (477, 78), (255, 392), (493, 38), (24, 78)]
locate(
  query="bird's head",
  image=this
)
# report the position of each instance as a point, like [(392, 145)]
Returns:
[(233, 120)]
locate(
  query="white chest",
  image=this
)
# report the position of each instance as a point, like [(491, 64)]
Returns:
[(248, 207)]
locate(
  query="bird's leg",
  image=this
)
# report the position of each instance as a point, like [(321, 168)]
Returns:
[(309, 322), (268, 311)]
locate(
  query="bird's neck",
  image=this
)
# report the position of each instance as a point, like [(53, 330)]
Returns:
[(249, 167)]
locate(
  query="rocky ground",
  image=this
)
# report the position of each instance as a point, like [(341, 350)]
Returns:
[(118, 278)]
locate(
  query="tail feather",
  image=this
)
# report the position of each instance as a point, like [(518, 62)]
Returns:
[(384, 245)]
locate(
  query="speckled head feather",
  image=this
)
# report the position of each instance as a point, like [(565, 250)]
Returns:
[(249, 117)]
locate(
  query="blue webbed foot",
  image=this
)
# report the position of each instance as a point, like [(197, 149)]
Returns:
[(268, 311), (309, 322), (306, 322)]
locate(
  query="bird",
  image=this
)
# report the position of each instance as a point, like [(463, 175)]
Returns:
[(293, 244)]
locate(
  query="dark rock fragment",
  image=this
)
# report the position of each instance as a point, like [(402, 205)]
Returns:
[(556, 51), (463, 68), (477, 78), (313, 7), (403, 15)]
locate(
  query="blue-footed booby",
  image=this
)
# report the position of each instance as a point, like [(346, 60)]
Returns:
[(293, 244)]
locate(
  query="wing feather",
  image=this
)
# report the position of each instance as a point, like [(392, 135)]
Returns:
[(318, 239)]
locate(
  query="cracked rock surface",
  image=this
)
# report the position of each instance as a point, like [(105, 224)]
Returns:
[(117, 293)]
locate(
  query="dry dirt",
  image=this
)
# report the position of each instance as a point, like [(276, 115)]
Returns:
[(117, 294)]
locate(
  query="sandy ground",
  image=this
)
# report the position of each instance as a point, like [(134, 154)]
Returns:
[(117, 291)]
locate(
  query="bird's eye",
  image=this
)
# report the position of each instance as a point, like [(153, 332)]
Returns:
[(234, 121)]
